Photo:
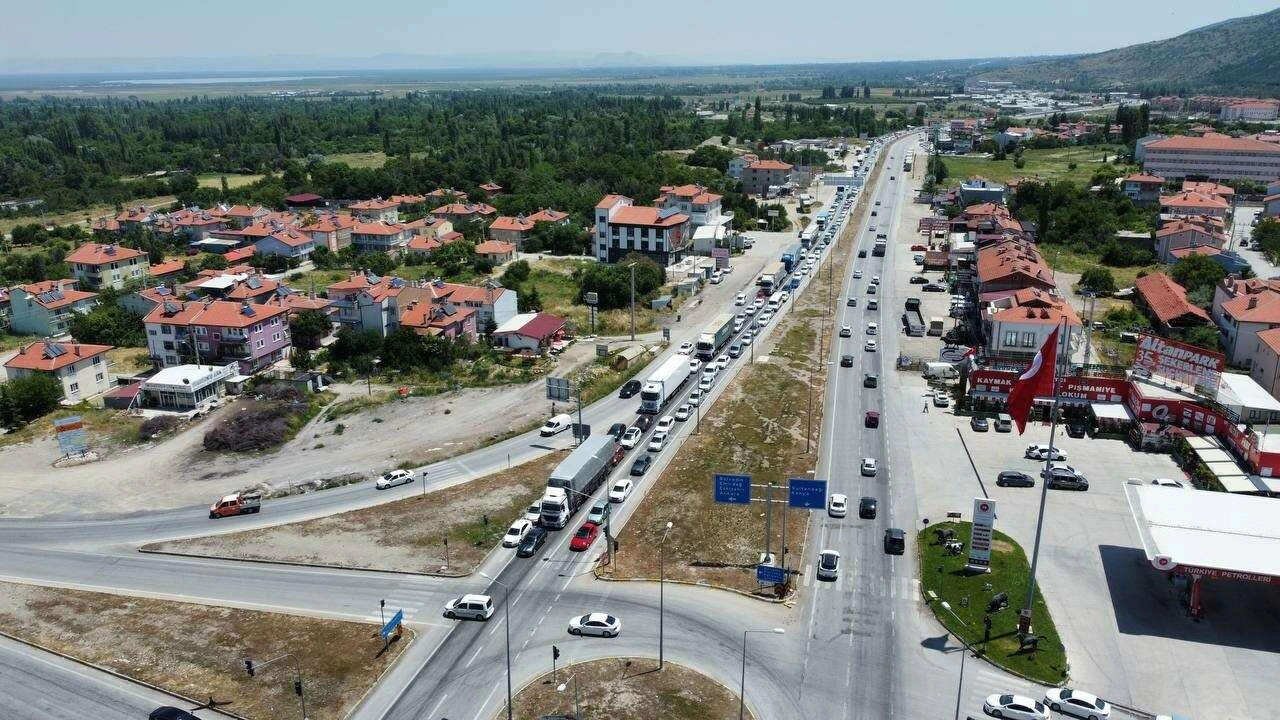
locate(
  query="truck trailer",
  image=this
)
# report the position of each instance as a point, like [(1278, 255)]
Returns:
[(664, 383), (575, 478), (772, 277), (878, 249), (790, 258), (912, 320), (714, 337)]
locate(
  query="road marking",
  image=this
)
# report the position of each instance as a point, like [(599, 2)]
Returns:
[(437, 707), (474, 656), (807, 568), (486, 702)]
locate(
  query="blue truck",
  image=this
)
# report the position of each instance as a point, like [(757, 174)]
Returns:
[(791, 257)]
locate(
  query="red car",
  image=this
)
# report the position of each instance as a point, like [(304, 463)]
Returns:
[(618, 454), (918, 248), (586, 535), (872, 419)]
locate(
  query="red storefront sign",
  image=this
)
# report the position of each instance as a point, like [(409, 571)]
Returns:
[(992, 381), (1219, 574), (1180, 362), (1093, 389)]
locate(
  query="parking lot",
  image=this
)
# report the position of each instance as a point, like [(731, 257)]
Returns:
[(1128, 638)]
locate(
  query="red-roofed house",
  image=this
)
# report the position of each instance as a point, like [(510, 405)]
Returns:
[(491, 302), (368, 302), (81, 369), (1266, 361), (1166, 304), (1193, 203), (442, 320), (1215, 156), (244, 215), (496, 251), (1178, 235), (701, 205), (1242, 317), (166, 271), (288, 242), (331, 230), (230, 284), (492, 188), (1142, 189), (98, 265), (376, 210), (238, 255), (515, 230), (622, 228), (1226, 192), (760, 175), (380, 237), (46, 308), (196, 224), (1019, 331), (464, 212), (405, 201), (529, 332), (217, 331), (447, 195), (1012, 265)]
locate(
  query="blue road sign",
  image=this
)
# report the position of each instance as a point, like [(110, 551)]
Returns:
[(392, 624), (770, 574), (811, 494), (735, 489)]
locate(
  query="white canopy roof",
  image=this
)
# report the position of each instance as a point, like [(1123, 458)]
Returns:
[(1243, 391), (1202, 529)]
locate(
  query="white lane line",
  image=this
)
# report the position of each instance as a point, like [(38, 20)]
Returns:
[(518, 597), (437, 707), (474, 656), (485, 704), (494, 629), (806, 575)]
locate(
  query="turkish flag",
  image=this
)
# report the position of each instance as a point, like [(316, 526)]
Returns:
[(1035, 382)]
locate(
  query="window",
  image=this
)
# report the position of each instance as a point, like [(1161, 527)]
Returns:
[(166, 329), (97, 359), (98, 377), (1028, 339), (151, 331), (1011, 338), (200, 330), (275, 337), (168, 345), (204, 346), (259, 344), (275, 320), (75, 387)]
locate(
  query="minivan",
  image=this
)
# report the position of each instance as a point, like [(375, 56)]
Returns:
[(1004, 423), (474, 607), (895, 541)]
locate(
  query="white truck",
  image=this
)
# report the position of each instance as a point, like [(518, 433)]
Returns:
[(714, 337), (664, 383), (575, 478)]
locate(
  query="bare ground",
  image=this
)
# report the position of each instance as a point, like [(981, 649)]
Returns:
[(199, 650), (405, 535), (628, 689)]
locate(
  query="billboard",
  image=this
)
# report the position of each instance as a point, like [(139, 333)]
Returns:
[(984, 517), (71, 435), (1182, 363), (722, 257)]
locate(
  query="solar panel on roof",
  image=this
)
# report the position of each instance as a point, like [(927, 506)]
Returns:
[(254, 283), (172, 307), (162, 290), (53, 350), (397, 282), (248, 310), (373, 279)]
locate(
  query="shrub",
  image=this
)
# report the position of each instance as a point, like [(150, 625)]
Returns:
[(158, 425), (256, 429)]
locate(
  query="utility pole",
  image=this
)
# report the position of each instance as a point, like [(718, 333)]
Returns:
[(632, 267), (1088, 332), (768, 522)]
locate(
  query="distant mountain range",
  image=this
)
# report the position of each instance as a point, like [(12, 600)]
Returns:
[(1238, 56)]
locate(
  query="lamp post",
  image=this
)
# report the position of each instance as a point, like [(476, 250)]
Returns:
[(742, 690), (964, 651), (662, 583), (632, 268), (506, 621), (577, 713)]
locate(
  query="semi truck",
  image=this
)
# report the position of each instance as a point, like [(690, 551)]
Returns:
[(663, 384), (878, 249), (790, 258), (714, 337), (772, 277), (570, 485), (912, 320)]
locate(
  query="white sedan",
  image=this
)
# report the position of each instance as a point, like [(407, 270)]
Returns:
[(1078, 703), (664, 424), (599, 624), (394, 478), (741, 299), (846, 331), (722, 362), (516, 532), (686, 347), (838, 505), (1016, 707), (620, 491), (657, 442), (684, 412), (695, 398), (872, 328), (871, 346), (694, 366), (631, 437), (868, 467)]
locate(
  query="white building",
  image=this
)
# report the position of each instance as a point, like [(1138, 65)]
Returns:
[(187, 387), (1214, 156), (622, 228)]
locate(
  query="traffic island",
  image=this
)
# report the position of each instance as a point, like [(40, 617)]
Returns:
[(626, 689), (974, 596), (443, 532), (198, 651)]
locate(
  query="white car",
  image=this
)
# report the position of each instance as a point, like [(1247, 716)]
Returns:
[(868, 467), (838, 505), (871, 346), (763, 318), (746, 338), (631, 437), (657, 441), (694, 365), (873, 328), (750, 309), (828, 565), (695, 397), (706, 382), (722, 362), (620, 491), (394, 478), (683, 412), (741, 299), (598, 624), (516, 533), (1016, 707), (533, 513), (875, 279), (846, 331), (785, 296), (664, 424), (1041, 452), (686, 347), (857, 274), (1078, 703)]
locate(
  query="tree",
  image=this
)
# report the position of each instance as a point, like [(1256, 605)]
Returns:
[(308, 328), (24, 399), (557, 239), (350, 345), (453, 257), (528, 301), (1266, 235), (213, 262), (378, 263), (710, 156), (516, 273), (1197, 271), (1098, 279), (109, 324), (1205, 336), (406, 350), (302, 359)]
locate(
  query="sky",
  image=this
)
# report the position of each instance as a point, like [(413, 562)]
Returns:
[(51, 35)]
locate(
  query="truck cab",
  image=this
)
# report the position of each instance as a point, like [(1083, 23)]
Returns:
[(236, 504), (555, 509)]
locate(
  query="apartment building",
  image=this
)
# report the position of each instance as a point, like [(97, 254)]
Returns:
[(46, 308), (1180, 234), (1242, 309), (380, 236), (81, 369), (465, 212), (331, 230), (1142, 189), (98, 265), (1215, 156), (760, 175), (739, 163), (217, 331), (368, 302), (287, 242), (376, 210), (621, 227)]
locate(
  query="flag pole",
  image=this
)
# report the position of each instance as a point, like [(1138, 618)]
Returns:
[(1024, 617)]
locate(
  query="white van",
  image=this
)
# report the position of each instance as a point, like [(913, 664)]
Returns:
[(1004, 423), (556, 425), (775, 301), (473, 607), (940, 371)]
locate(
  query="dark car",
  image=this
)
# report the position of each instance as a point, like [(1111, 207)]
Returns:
[(919, 280), (629, 388), (1065, 479), (168, 712), (979, 424), (895, 541), (536, 538), (934, 287), (867, 508), (851, 302), (1077, 429), (617, 429), (1013, 478), (641, 465), (862, 253), (870, 380), (644, 422), (846, 361), (872, 419)]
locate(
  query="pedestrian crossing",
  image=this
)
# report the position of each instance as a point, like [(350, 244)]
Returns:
[(982, 679), (881, 586), (413, 599)]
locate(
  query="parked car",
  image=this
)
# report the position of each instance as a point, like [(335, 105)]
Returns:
[(1042, 452), (1077, 429), (851, 302), (532, 542), (873, 304), (838, 505), (895, 541), (941, 399), (621, 490), (934, 287), (918, 280), (695, 397), (516, 532), (598, 624), (641, 465), (1014, 478), (686, 347), (583, 538), (828, 565), (1169, 483), (1064, 477), (629, 388), (867, 508), (1015, 707), (1077, 703), (657, 441), (472, 607), (978, 423), (740, 299), (169, 712), (665, 423), (735, 350), (394, 478)]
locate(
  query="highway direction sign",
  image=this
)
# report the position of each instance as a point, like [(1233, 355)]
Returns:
[(810, 494), (735, 489)]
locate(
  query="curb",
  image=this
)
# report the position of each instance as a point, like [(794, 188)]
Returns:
[(113, 673), (304, 564), (378, 680), (708, 586)]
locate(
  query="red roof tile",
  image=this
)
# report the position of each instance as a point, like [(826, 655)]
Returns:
[(167, 268), (47, 356), (214, 313), (609, 201), (374, 204), (101, 254), (648, 216), (769, 165), (1166, 298), (512, 224), (65, 288), (1257, 308), (1212, 142), (495, 247)]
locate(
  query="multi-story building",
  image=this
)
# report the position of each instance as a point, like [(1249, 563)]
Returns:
[(1215, 156), (516, 229), (331, 230), (99, 265), (1187, 203), (702, 206), (1142, 189), (981, 190), (217, 331), (1019, 331), (1179, 234), (367, 302), (380, 237), (377, 210), (622, 228), (440, 320), (1008, 265), (1250, 110), (760, 175), (81, 369), (492, 303), (195, 224), (46, 308), (288, 242), (465, 212), (1242, 309), (738, 163)]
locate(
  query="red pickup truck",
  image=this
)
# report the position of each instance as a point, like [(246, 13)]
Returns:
[(236, 504)]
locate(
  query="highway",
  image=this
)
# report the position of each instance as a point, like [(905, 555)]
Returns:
[(860, 647)]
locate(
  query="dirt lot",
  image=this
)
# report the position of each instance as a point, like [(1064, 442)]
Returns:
[(406, 535), (198, 650), (628, 689)]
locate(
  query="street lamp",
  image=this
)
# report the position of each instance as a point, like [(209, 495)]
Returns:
[(662, 583), (577, 714), (742, 690), (506, 621), (964, 651)]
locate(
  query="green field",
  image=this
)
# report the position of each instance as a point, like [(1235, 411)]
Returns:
[(234, 180), (1049, 164), (359, 159)]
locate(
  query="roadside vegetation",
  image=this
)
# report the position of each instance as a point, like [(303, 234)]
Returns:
[(968, 593), (1075, 163), (274, 415), (198, 650), (627, 688)]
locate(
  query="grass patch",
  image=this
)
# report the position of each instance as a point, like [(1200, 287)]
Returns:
[(968, 595), (197, 650), (125, 360), (9, 341), (559, 292), (1048, 164), (601, 378), (234, 180), (304, 281), (407, 534), (625, 688), (83, 215), (106, 427), (353, 405), (359, 159), (1071, 261)]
